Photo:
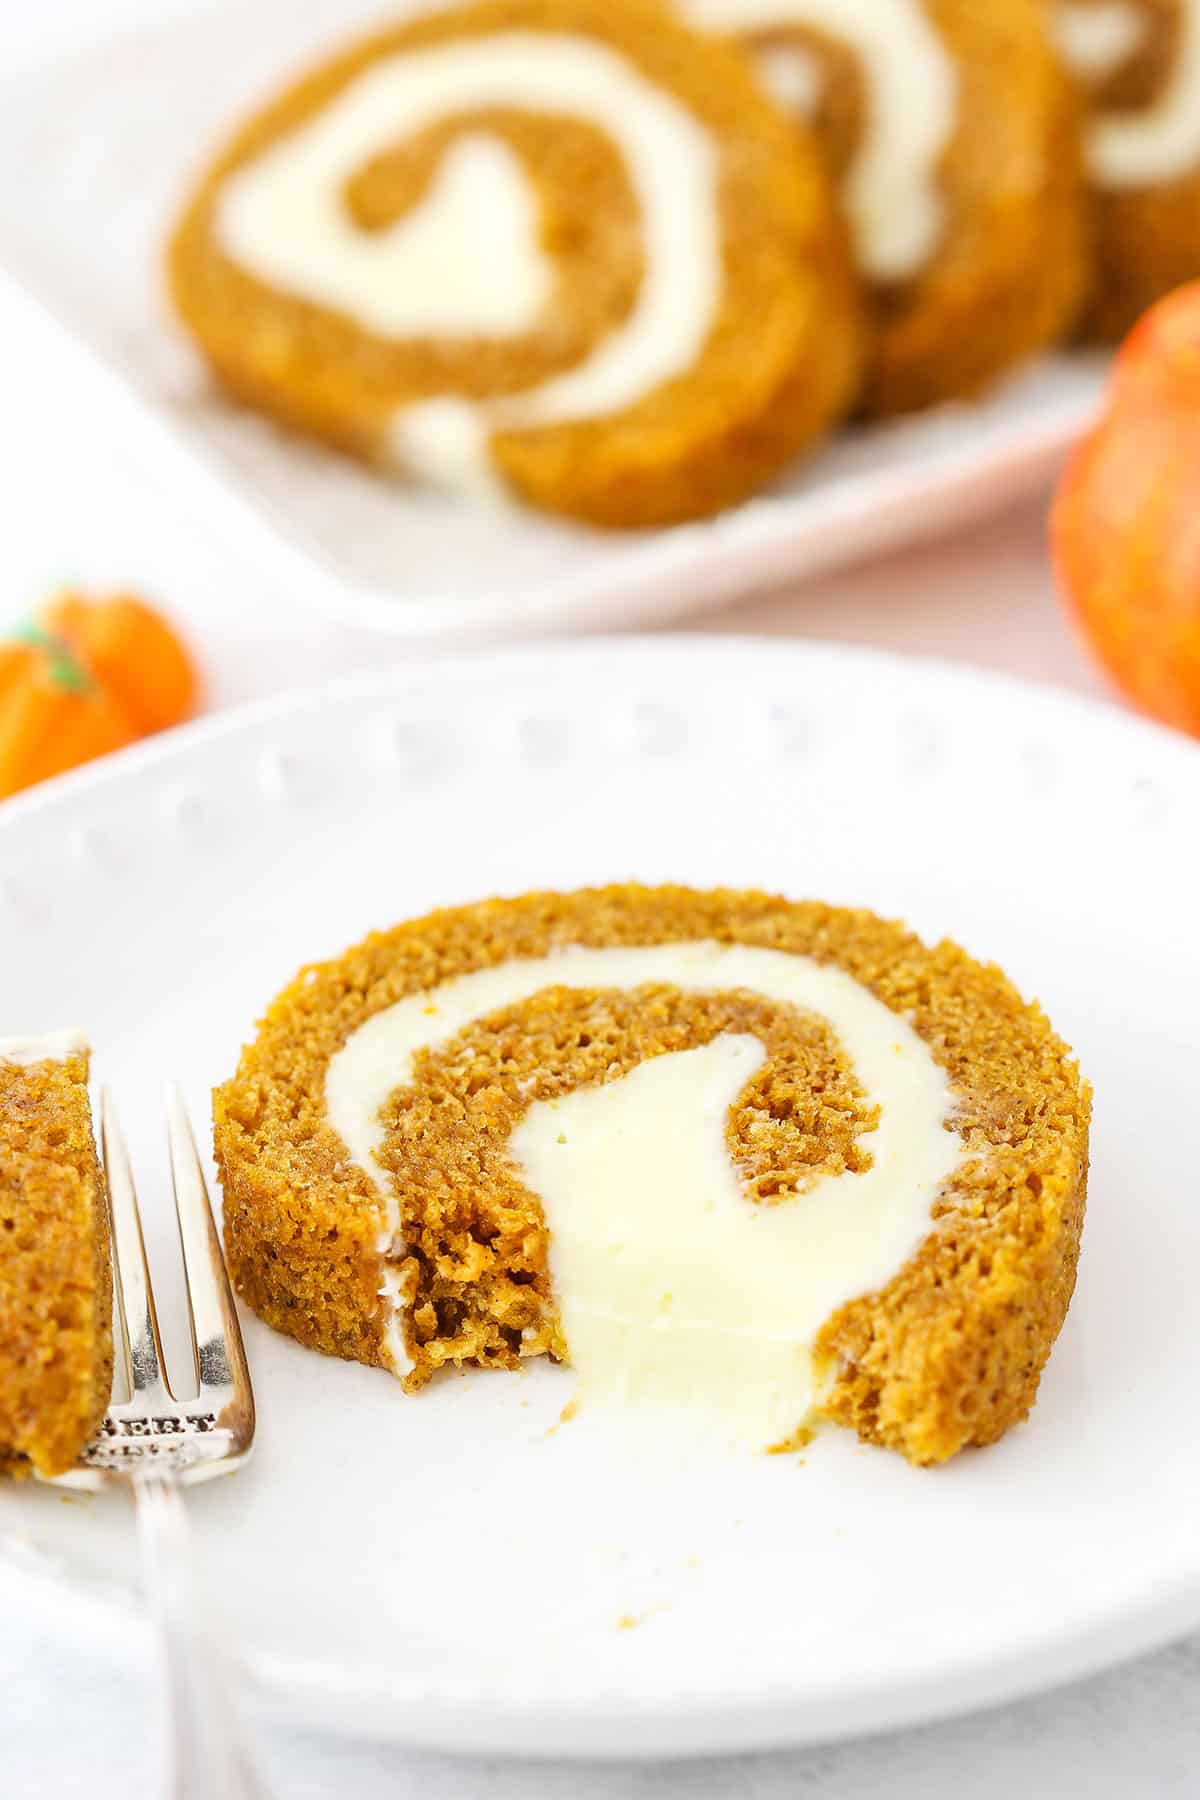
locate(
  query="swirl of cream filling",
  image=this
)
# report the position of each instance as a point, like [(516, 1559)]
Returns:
[(674, 1289), (1147, 146), (891, 187), (467, 259), (54, 1046)]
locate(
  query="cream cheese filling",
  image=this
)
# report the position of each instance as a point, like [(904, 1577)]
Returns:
[(792, 76), (52, 1046), (892, 188), (1145, 146), (674, 1288), (1096, 39), (468, 260)]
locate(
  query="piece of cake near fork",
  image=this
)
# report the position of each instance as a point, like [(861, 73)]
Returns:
[(56, 1341)]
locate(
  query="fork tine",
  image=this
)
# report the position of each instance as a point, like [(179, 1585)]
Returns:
[(221, 1369), (142, 1345)]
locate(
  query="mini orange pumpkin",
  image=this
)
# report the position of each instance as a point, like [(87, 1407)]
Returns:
[(86, 677), (1126, 524)]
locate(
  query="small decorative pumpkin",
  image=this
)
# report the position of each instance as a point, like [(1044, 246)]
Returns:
[(1126, 524), (83, 678)]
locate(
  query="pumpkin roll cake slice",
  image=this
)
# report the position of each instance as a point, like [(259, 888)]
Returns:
[(560, 248), (954, 136), (56, 1347), (1139, 64), (757, 1162)]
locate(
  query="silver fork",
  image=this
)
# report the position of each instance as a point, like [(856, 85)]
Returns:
[(156, 1445)]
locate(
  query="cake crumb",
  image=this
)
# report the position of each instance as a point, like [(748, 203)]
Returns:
[(797, 1441)]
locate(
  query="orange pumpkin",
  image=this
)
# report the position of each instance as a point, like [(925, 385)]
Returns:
[(1125, 529), (84, 678)]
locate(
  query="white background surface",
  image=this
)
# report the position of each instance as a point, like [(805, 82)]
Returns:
[(985, 597)]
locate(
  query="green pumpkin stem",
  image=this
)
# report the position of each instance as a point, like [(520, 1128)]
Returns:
[(65, 669)]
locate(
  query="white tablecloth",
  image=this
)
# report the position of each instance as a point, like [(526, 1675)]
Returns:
[(984, 597)]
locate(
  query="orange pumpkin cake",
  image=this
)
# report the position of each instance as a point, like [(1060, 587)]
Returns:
[(772, 1162), (1139, 64), (955, 139), (56, 1347), (560, 248)]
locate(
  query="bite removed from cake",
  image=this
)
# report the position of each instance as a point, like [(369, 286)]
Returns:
[(767, 1162), (56, 1345)]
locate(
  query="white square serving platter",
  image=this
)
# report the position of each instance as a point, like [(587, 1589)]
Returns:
[(98, 142)]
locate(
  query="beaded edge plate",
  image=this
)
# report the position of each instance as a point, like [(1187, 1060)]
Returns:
[(469, 1579)]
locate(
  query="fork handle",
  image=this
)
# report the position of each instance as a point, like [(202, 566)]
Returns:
[(206, 1755)]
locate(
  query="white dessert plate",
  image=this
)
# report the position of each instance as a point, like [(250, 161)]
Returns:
[(447, 1570), (97, 148)]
